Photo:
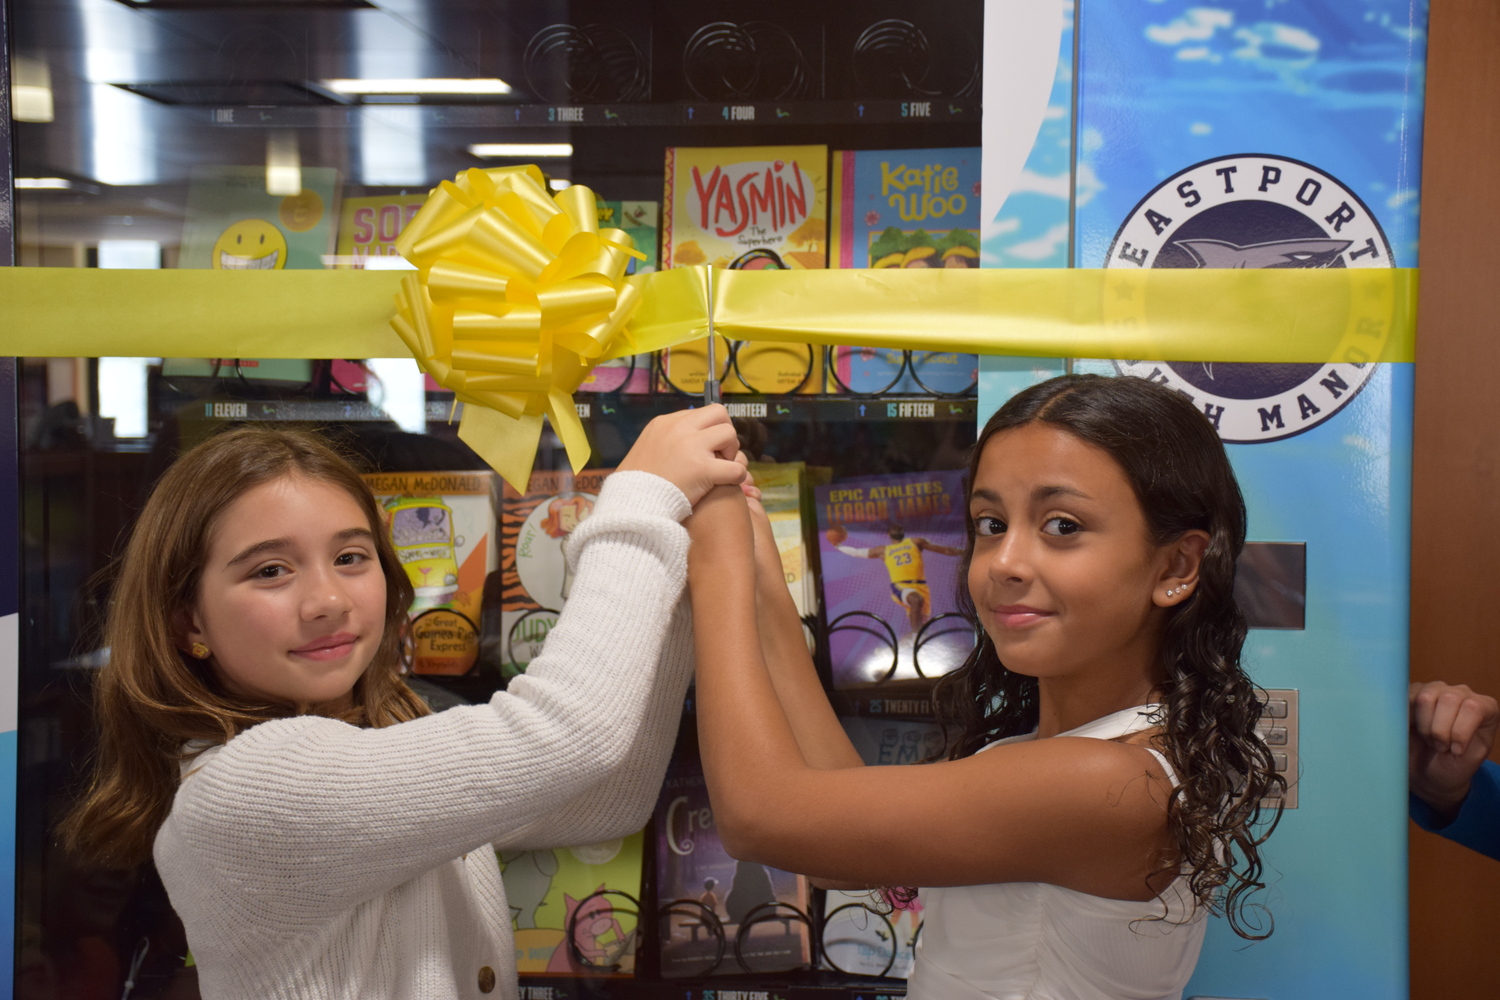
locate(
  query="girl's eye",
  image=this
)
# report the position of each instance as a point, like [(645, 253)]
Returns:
[(987, 526), (350, 558), (271, 572), (1061, 526)]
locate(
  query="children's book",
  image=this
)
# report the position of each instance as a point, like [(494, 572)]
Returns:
[(746, 208), (576, 910), (874, 933), (893, 741), (233, 224), (639, 219), (442, 525), (368, 227), (904, 208), (534, 576), (716, 915), (870, 933), (782, 485), (890, 549)]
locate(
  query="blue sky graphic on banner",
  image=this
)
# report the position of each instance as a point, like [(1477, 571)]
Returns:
[(1204, 133), (1029, 228), (1168, 84)]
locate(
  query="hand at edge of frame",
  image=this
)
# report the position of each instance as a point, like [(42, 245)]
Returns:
[(1452, 732)]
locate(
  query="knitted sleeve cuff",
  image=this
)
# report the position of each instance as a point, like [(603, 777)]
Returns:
[(636, 502), (644, 493)]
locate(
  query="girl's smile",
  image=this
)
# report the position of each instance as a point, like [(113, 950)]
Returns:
[(332, 647), (1014, 616)]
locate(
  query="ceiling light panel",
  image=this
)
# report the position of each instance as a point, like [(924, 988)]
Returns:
[(522, 150), (421, 86)]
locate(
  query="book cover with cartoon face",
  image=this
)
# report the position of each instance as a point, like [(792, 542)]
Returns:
[(234, 224), (576, 910)]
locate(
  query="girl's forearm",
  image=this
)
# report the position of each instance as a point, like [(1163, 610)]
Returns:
[(823, 742), (748, 746)]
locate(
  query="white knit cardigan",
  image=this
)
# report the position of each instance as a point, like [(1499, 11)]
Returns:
[(312, 859)]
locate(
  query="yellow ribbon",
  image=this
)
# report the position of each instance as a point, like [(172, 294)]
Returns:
[(518, 294), (1320, 315), (1277, 315)]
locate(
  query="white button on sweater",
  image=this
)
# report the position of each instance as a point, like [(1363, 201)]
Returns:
[(312, 859)]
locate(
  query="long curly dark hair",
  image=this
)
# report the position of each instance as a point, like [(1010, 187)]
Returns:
[(1176, 464)]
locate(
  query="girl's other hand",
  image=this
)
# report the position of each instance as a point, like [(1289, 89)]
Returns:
[(692, 449), (1452, 732)]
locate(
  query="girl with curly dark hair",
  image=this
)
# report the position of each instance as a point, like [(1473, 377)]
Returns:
[(1103, 790)]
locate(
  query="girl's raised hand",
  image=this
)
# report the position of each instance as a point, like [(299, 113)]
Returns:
[(692, 449), (1452, 732)]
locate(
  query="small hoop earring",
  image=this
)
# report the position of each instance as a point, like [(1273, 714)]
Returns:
[(199, 651)]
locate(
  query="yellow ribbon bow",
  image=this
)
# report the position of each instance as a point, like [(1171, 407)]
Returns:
[(518, 294)]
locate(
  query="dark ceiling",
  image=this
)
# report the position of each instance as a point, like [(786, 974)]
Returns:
[(144, 92)]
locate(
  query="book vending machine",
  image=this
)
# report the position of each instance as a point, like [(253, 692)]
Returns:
[(1114, 136)]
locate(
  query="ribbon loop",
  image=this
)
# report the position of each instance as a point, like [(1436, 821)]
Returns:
[(517, 294)]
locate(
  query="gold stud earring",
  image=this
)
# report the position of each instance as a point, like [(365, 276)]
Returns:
[(199, 651)]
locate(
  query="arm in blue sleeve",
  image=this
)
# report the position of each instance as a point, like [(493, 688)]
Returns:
[(1477, 825)]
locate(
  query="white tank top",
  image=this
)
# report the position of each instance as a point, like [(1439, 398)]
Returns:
[(1036, 941)]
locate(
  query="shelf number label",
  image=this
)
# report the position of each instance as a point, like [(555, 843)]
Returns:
[(916, 109), (229, 411), (561, 114), (739, 112), (909, 409)]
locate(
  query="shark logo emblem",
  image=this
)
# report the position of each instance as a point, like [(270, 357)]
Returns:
[(1257, 211), (1278, 253)]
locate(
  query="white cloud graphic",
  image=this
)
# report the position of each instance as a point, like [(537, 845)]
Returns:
[(1197, 24), (1198, 53), (1087, 184), (1298, 44), (1043, 246)]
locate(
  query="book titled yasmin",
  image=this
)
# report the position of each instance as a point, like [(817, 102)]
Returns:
[(746, 207)]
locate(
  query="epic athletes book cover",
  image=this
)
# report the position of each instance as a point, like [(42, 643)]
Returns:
[(890, 549)]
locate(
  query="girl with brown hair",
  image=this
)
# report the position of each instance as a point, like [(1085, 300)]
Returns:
[(318, 831), (1104, 783)]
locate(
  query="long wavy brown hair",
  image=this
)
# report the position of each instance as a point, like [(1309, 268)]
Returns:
[(154, 704), (1177, 466)]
